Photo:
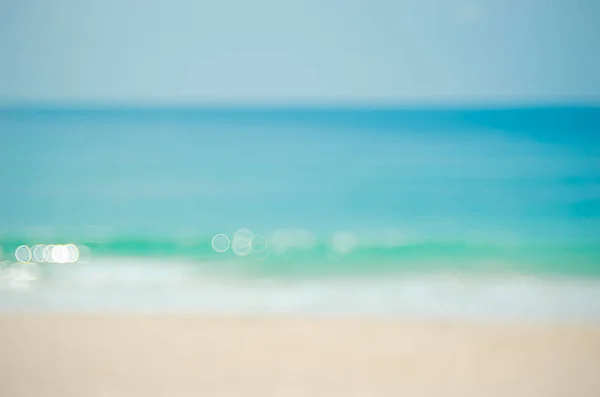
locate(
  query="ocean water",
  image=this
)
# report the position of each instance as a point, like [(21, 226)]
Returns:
[(328, 194)]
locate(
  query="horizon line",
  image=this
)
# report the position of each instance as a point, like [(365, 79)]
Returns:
[(294, 105)]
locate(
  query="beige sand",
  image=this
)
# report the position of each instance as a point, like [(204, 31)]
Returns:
[(201, 356)]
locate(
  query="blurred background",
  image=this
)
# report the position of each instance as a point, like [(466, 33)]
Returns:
[(424, 157)]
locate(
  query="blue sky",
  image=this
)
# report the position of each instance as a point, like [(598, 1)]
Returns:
[(311, 51)]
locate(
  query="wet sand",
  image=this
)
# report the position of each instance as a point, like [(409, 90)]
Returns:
[(160, 355)]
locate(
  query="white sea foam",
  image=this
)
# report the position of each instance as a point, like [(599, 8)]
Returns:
[(133, 285)]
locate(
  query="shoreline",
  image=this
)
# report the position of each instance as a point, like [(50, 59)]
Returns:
[(164, 290)]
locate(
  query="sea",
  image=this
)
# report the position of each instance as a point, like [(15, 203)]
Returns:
[(474, 211)]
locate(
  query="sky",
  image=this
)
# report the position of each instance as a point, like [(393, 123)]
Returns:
[(309, 52)]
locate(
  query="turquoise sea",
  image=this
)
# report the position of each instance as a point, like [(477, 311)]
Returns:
[(327, 192)]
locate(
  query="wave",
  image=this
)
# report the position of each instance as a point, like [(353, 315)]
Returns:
[(304, 254)]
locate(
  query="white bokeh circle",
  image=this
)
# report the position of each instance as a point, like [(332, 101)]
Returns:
[(23, 254), (220, 243)]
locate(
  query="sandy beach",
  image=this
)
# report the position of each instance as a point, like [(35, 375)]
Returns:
[(161, 355)]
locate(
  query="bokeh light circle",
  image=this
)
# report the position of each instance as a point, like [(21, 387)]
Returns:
[(241, 243), (258, 243), (39, 253), (220, 243), (241, 246), (23, 254), (73, 253), (60, 254)]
